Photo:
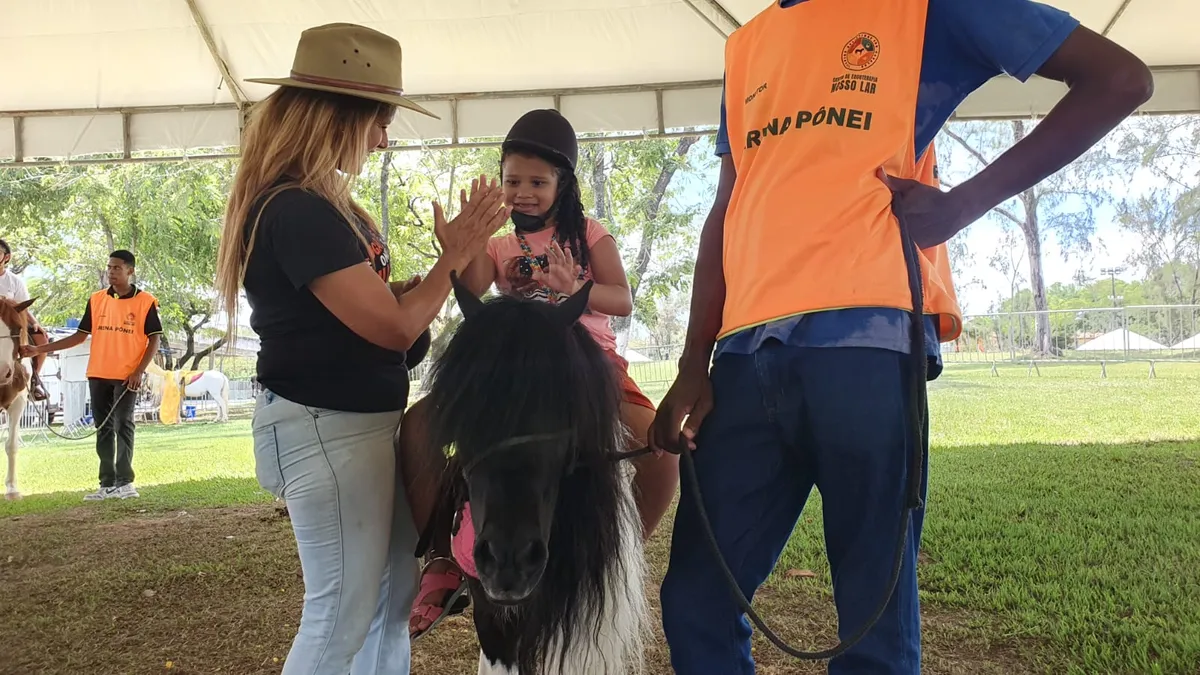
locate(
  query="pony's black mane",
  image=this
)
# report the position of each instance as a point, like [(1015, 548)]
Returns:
[(514, 368)]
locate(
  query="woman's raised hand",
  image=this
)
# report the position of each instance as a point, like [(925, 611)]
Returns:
[(481, 215)]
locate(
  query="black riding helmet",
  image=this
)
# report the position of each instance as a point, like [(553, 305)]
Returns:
[(547, 134)]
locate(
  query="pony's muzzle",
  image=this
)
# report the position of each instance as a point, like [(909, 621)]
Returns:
[(510, 567)]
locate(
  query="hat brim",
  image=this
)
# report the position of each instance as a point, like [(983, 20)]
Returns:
[(398, 101)]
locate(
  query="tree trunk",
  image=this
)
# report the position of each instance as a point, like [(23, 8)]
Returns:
[(1037, 282), (650, 226), (599, 179), (168, 360), (203, 353), (112, 246), (385, 171), (1033, 249)]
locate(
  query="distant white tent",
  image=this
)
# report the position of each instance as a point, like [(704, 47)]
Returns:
[(1190, 343), (635, 356), (1120, 340)]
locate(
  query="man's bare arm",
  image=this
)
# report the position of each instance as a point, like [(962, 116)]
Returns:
[(1106, 83), (708, 283)]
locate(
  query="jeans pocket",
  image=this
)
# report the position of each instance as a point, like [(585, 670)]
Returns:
[(266, 460)]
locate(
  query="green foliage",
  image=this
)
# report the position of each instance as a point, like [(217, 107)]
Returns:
[(1166, 220), (62, 224)]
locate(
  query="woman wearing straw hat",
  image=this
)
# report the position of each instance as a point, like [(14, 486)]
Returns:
[(334, 338)]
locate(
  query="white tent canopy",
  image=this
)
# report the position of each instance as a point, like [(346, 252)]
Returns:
[(136, 76), (1121, 340), (1190, 343)]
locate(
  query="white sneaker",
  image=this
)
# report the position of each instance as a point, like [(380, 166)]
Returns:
[(102, 494), (126, 491)]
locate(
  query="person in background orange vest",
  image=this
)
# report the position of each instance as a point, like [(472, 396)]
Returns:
[(125, 328), (802, 288)]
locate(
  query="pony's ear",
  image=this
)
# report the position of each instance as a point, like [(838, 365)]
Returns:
[(574, 306), (467, 301), (25, 305)]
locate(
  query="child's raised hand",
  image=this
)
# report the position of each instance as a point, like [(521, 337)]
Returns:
[(563, 275)]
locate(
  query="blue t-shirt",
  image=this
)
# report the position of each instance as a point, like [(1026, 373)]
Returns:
[(967, 43)]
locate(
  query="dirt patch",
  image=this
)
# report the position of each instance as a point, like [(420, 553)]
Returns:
[(120, 590)]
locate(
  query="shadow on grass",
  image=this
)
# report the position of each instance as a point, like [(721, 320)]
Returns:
[(1087, 552)]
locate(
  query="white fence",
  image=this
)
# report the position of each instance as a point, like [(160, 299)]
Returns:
[(1137, 333)]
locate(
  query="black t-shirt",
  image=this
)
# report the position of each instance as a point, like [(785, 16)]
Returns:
[(306, 354)]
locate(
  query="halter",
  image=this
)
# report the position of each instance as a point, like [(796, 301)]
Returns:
[(517, 441), (17, 335)]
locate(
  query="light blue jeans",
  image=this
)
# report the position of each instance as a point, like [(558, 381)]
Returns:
[(337, 472)]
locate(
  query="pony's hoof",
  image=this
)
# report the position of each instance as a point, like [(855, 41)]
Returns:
[(12, 496)]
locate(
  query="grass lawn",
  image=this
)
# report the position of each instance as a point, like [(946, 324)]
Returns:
[(1063, 520)]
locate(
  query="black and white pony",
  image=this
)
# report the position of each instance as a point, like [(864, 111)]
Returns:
[(530, 407)]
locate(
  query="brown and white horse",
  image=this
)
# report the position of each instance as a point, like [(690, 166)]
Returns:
[(14, 382)]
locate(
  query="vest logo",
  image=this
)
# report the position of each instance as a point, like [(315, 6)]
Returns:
[(761, 88), (861, 52)]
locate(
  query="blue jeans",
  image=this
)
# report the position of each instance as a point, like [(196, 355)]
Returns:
[(337, 472), (786, 419)]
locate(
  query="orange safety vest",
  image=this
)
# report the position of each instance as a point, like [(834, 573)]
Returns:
[(119, 337), (818, 98)]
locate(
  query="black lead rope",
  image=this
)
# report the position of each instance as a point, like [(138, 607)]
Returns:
[(913, 497)]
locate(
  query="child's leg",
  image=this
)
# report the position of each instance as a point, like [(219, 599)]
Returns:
[(657, 476), (421, 468)]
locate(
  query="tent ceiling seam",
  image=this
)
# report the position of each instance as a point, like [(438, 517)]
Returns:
[(235, 91), (698, 6), (1112, 23)]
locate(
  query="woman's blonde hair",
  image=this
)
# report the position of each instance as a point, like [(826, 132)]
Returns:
[(296, 138)]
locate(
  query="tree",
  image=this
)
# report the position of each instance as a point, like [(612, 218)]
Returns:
[(31, 200), (168, 214), (627, 185), (632, 186), (1166, 219), (1063, 204)]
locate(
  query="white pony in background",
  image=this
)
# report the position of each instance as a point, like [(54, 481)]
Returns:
[(211, 383)]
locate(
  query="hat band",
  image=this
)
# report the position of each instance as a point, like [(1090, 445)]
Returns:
[(346, 84)]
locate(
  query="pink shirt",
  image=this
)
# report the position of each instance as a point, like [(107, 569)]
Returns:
[(505, 252)]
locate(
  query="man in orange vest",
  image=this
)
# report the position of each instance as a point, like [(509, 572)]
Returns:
[(802, 287), (125, 328)]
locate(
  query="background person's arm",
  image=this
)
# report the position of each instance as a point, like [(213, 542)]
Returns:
[(76, 339), (134, 381)]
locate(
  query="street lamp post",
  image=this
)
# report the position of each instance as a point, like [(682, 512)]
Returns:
[(1112, 273)]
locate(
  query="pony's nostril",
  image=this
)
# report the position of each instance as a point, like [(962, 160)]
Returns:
[(484, 554), (533, 554)]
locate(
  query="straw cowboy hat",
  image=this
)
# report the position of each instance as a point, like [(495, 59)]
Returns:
[(344, 58)]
